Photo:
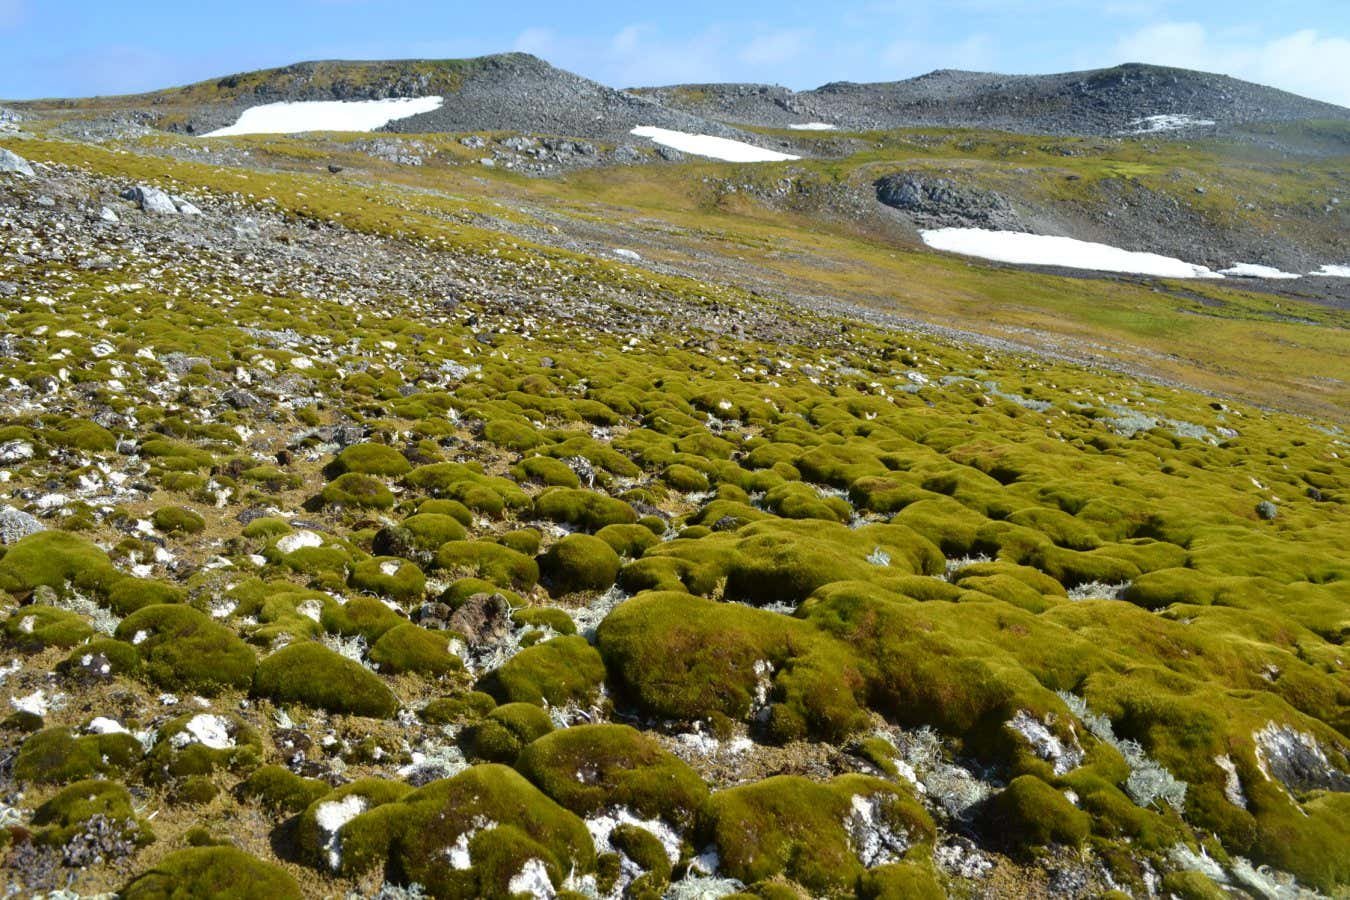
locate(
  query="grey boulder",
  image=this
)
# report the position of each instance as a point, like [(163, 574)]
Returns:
[(14, 163), (152, 200), (15, 525)]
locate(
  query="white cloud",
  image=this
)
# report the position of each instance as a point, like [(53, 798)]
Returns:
[(1304, 62)]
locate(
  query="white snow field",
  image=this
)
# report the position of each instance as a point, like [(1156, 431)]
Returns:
[(327, 115), (1048, 250), (1171, 122), (813, 126), (1333, 272), (1253, 270), (712, 147)]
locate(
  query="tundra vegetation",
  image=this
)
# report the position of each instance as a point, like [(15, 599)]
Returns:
[(564, 577)]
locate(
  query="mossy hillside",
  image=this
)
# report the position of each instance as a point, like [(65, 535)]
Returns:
[(412, 834), (797, 828), (311, 674), (588, 768), (183, 649)]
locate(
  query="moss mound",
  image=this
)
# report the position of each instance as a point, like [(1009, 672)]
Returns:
[(358, 492), (65, 815), (311, 674), (56, 756), (56, 559), (579, 562), (583, 509), (1029, 813), (371, 459), (184, 650), (35, 627), (799, 829), (500, 819), (588, 768), (409, 648), (218, 872), (505, 731), (557, 672), (178, 520)]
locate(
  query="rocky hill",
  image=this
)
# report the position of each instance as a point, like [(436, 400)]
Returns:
[(503, 92), (1124, 99)]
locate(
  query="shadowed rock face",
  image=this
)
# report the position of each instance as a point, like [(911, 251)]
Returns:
[(942, 203), (1098, 102)]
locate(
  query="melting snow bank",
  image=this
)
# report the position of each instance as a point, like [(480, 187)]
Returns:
[(1333, 272), (1252, 270), (327, 115), (709, 146), (813, 126), (1173, 122), (1048, 250)]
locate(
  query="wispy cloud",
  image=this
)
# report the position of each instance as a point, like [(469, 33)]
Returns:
[(1305, 62)]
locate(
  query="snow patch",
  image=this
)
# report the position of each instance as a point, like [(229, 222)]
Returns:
[(812, 126), (533, 880), (1330, 271), (1169, 122), (327, 115), (1050, 250), (1253, 270), (330, 817), (206, 729), (709, 146)]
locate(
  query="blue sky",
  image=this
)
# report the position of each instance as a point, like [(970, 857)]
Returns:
[(81, 47)]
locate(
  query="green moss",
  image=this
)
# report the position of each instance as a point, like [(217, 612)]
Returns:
[(511, 435), (55, 756), (413, 833), (65, 815), (548, 471), (35, 627), (796, 828), (81, 434), (644, 849), (281, 790), (365, 616), (178, 520), (500, 565), (1192, 886), (452, 508), (266, 527), (358, 492), (390, 577), (410, 648), (685, 478), (900, 881), (505, 731), (130, 594), (589, 768), (219, 872), (583, 509), (458, 709), (56, 559), (371, 459), (430, 530), (476, 491), (1029, 813), (556, 672), (194, 790), (579, 562), (179, 753), (121, 657), (183, 649), (374, 792), (549, 617), (311, 674), (522, 540), (630, 541)]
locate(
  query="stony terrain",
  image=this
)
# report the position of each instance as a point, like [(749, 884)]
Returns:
[(1120, 100), (379, 528)]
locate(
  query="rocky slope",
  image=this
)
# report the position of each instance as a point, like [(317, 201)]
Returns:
[(504, 92), (1112, 101)]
